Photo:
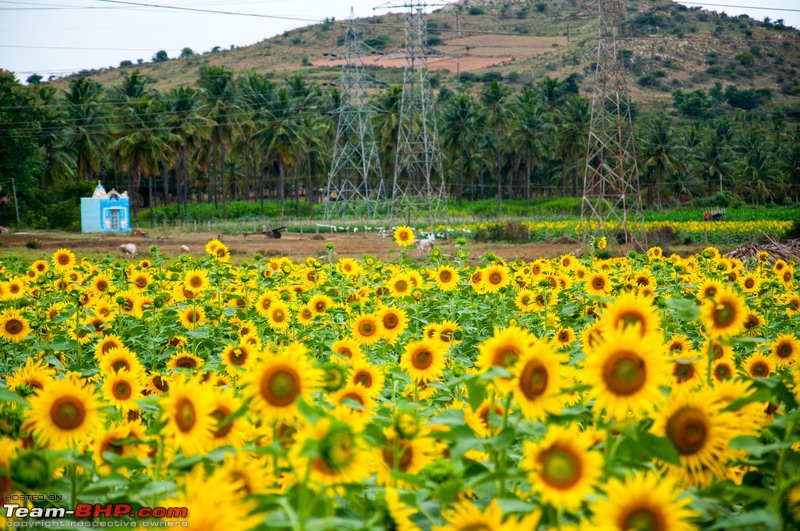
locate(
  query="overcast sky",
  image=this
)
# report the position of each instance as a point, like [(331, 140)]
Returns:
[(59, 37)]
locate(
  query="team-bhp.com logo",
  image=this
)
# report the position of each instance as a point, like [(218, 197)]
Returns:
[(99, 510)]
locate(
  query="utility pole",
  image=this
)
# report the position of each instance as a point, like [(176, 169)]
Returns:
[(612, 202), (418, 190), (355, 180)]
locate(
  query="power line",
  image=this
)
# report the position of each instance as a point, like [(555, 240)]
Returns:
[(702, 4), (208, 11)]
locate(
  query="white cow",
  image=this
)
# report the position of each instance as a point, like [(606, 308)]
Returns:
[(127, 249), (425, 245)]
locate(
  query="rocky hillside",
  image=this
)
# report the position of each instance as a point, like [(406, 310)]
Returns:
[(667, 47)]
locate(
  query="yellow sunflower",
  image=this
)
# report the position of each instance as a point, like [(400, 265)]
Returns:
[(63, 260), (34, 374), (758, 365), (723, 369), (597, 284), (278, 316), (279, 381), (14, 289), (139, 280), (123, 440), (562, 468), (238, 358), (117, 359), (192, 317), (368, 376), (466, 517), (486, 419), (14, 326), (700, 431), (688, 368), (724, 315), (446, 277), (708, 290), (404, 236), (625, 373), (630, 310), (406, 456), (187, 409), (184, 360), (338, 456), (645, 501), (196, 280), (448, 332), (399, 285), (503, 349), (785, 350), (678, 344), (348, 349), (367, 329), (495, 277), (536, 381), (423, 360), (393, 322), (65, 414), (122, 389), (320, 303), (565, 336), (227, 432), (526, 301)]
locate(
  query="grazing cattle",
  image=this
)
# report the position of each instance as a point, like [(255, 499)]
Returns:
[(426, 244), (127, 250)]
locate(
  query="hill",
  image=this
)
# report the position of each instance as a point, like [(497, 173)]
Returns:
[(667, 46)]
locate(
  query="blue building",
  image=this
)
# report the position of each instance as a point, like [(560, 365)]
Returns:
[(105, 212)]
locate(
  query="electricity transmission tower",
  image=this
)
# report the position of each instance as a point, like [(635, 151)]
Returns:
[(611, 196), (418, 189), (355, 180)]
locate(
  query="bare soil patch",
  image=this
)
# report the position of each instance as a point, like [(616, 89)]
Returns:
[(298, 247)]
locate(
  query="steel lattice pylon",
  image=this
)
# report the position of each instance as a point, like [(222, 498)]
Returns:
[(418, 190), (611, 196), (355, 180)]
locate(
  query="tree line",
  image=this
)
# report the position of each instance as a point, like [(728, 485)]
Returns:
[(254, 138)]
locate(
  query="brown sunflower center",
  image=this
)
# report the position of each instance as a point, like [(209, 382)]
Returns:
[(278, 315), (784, 350), (506, 356), (401, 286), (749, 283), (598, 283), (122, 390), (366, 329), (280, 386), (683, 372), (120, 364), (14, 326), (560, 467), (193, 315), (390, 321), (624, 373), (724, 314), (185, 415), (495, 278), (422, 359), (759, 369), (160, 383), (533, 379), (364, 378), (445, 276), (63, 259), (68, 413), (219, 415), (185, 362), (238, 357), (722, 372), (631, 319), (687, 428)]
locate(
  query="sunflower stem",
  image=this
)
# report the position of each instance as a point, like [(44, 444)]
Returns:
[(779, 467)]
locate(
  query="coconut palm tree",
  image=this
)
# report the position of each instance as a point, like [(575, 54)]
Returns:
[(462, 121), (497, 109), (88, 132), (661, 153), (534, 128)]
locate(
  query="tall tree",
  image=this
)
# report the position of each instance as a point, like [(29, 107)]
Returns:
[(459, 134), (498, 123), (88, 132)]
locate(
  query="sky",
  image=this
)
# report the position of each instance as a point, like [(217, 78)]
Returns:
[(60, 37)]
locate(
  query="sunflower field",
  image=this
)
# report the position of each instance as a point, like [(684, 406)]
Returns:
[(643, 392)]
